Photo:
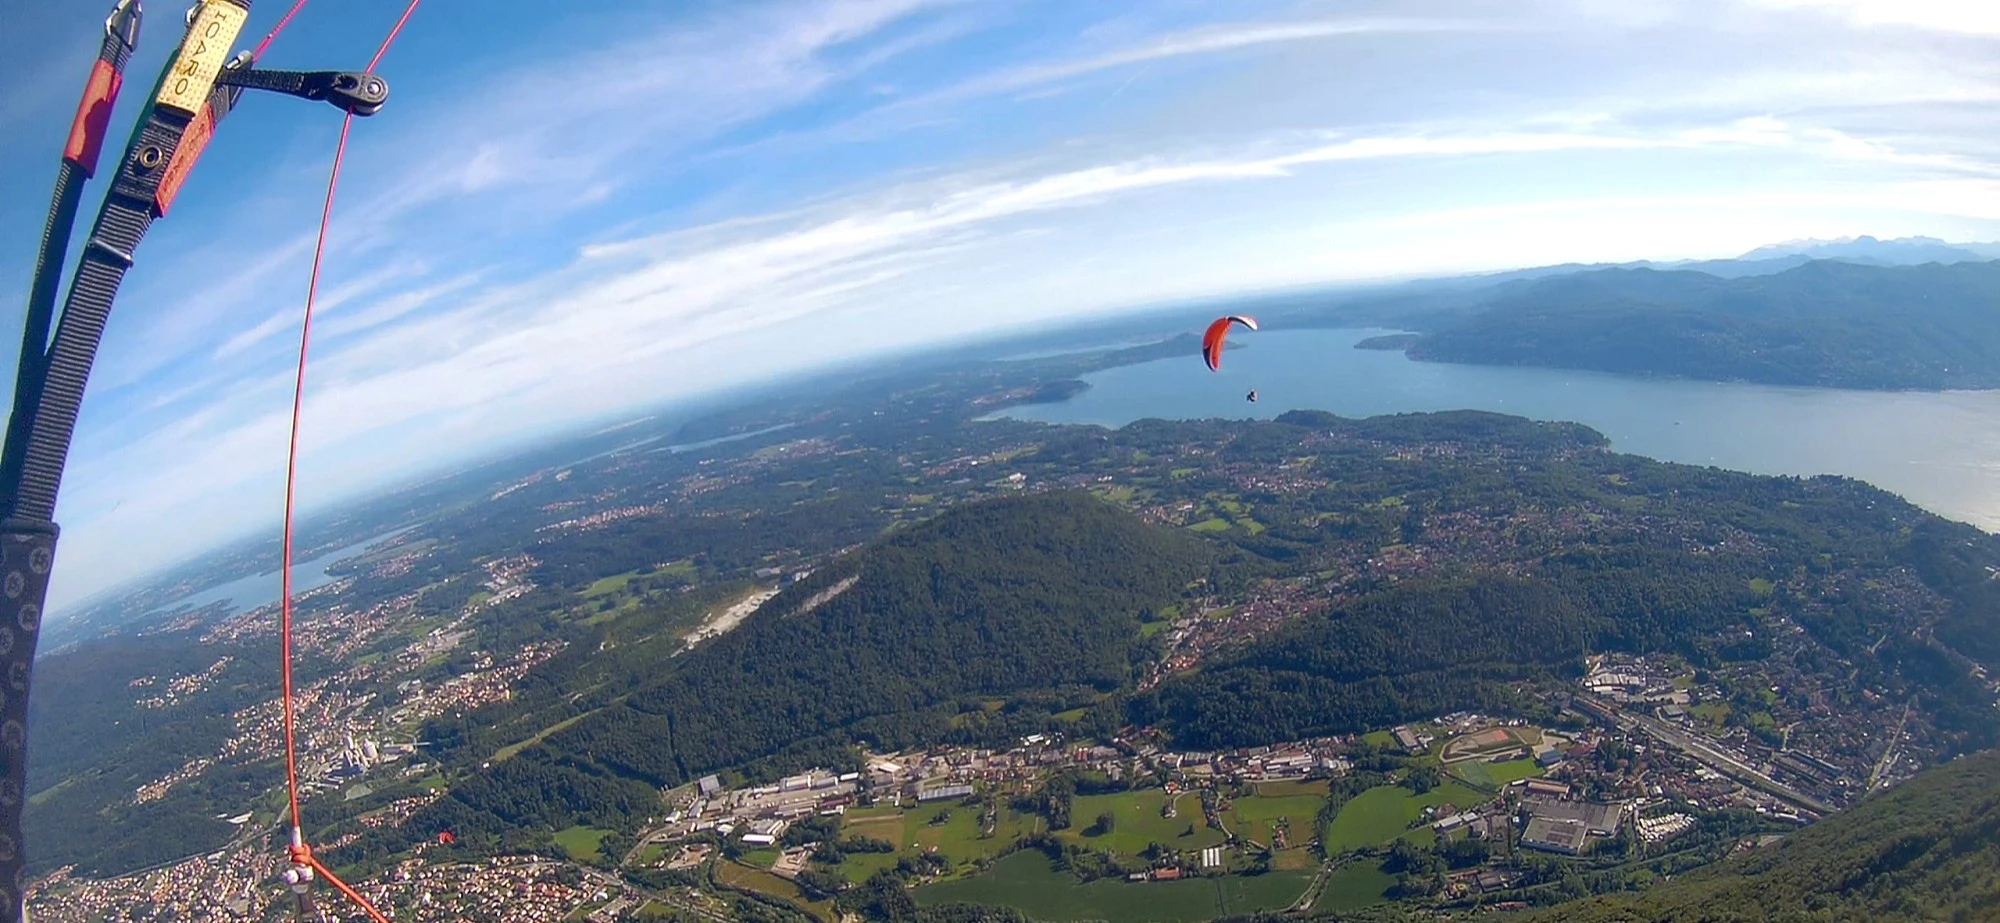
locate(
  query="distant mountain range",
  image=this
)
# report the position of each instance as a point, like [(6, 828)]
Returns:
[(1902, 251), (1909, 314)]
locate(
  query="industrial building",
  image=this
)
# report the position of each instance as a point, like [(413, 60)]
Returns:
[(1550, 834), (1566, 826)]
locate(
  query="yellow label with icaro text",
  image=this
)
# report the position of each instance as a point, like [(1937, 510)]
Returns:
[(202, 55)]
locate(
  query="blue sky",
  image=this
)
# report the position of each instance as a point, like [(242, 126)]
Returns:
[(571, 210)]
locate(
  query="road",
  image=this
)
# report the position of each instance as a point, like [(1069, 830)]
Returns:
[(1717, 758)]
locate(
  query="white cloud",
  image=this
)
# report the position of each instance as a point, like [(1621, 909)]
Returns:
[(1974, 17)]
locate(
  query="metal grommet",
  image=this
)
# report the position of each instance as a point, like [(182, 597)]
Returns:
[(30, 618), (16, 582), (38, 559), (150, 156)]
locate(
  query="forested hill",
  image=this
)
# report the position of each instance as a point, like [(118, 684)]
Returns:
[(1824, 323), (1005, 596), (1928, 849)]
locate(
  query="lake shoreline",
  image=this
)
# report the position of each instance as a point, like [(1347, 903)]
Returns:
[(1938, 449)]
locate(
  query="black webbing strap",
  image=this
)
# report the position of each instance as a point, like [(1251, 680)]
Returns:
[(28, 531)]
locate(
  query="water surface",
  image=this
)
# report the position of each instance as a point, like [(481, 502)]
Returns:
[(246, 593), (1939, 450)]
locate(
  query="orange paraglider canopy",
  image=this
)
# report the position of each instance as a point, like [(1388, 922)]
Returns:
[(1211, 342)]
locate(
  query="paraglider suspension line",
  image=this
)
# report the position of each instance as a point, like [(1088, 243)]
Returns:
[(298, 853)]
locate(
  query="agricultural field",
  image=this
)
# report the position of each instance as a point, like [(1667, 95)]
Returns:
[(763, 882), (1027, 882), (1138, 822), (1384, 813), (1354, 886), (958, 837), (1257, 817)]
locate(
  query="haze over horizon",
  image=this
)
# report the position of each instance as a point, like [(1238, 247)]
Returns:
[(565, 219)]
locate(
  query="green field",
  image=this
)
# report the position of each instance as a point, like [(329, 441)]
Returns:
[(1138, 822), (762, 882), (1494, 776), (1354, 886), (1313, 787), (1211, 525), (1384, 813), (958, 838), (581, 842), (509, 751), (1256, 817), (1379, 739), (1027, 882), (1715, 713), (858, 866), (609, 585)]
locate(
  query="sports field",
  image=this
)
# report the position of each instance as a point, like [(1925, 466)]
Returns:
[(1494, 776), (1026, 882), (1384, 813)]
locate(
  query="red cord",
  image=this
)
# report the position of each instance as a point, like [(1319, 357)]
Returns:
[(300, 853), (284, 21), (291, 465), (379, 52)]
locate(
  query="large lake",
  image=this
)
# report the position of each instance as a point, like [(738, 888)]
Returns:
[(263, 589), (1940, 450)]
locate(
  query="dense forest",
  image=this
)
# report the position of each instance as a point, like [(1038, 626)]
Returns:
[(1823, 323), (1928, 849), (990, 599)]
